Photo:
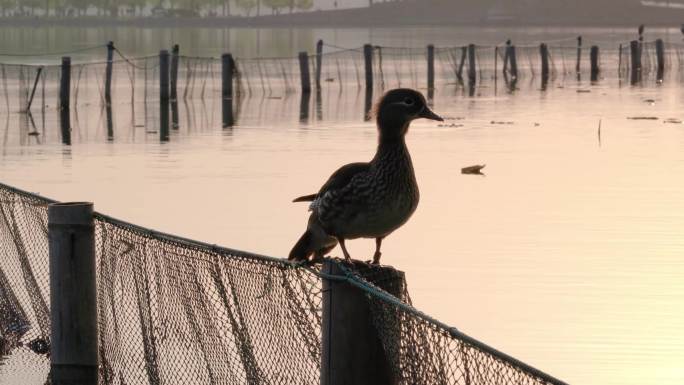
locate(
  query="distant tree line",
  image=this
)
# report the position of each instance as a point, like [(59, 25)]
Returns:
[(142, 8)]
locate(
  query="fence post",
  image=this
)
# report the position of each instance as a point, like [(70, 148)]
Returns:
[(430, 66), (459, 73), (635, 66), (368, 61), (227, 71), (64, 100), (513, 61), (174, 71), (544, 53), (108, 76), (594, 57), (620, 61), (73, 298), (319, 63), (353, 351), (304, 70), (472, 65), (660, 57), (579, 54), (164, 95)]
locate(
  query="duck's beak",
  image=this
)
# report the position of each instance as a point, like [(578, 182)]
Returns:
[(428, 114)]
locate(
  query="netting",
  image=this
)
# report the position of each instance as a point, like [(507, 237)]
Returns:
[(136, 80), (173, 310)]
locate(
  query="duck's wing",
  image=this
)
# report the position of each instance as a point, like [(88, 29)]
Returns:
[(337, 180)]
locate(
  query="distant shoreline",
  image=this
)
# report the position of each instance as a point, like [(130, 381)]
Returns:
[(353, 18)]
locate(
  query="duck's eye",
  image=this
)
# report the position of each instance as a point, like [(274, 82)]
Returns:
[(408, 101)]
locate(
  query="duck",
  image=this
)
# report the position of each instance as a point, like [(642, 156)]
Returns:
[(368, 199)]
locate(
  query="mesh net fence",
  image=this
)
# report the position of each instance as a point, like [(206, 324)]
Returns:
[(136, 80), (172, 310)]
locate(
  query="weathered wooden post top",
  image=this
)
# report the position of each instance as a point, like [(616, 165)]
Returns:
[(353, 349), (73, 298)]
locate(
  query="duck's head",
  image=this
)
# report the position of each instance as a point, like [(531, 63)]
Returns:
[(397, 109)]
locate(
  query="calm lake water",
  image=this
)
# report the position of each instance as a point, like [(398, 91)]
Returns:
[(568, 254)]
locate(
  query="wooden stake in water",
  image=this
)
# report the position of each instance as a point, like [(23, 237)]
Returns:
[(64, 100), (544, 53), (164, 95), (227, 71), (368, 65), (472, 65), (594, 58), (513, 62), (635, 66), (73, 294), (431, 67), (108, 74), (660, 59), (174, 71), (304, 70), (459, 74), (579, 55), (319, 63)]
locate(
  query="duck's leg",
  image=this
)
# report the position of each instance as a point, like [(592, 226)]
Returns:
[(344, 249), (378, 254)]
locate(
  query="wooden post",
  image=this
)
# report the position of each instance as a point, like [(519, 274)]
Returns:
[(368, 65), (635, 66), (594, 58), (108, 73), (227, 71), (459, 74), (319, 63), (472, 65), (304, 70), (353, 351), (579, 55), (620, 61), (73, 294), (164, 95), (544, 53), (660, 58), (430, 67), (513, 61), (64, 100), (174, 72)]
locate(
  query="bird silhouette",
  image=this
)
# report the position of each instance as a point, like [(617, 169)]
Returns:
[(368, 199)]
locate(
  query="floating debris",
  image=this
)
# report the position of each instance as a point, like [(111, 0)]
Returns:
[(329, 80), (139, 125), (274, 97), (672, 121), (452, 125), (455, 118), (34, 133), (500, 122), (537, 124), (642, 117), (151, 131), (583, 91), (473, 170), (650, 101)]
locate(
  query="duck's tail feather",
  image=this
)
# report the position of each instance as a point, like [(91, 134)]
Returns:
[(303, 248), (306, 198)]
